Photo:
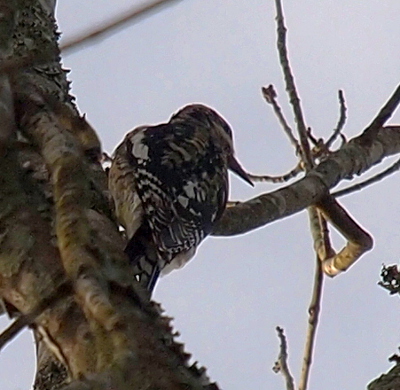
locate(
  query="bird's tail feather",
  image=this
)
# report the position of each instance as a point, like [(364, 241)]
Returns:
[(153, 279), (143, 258)]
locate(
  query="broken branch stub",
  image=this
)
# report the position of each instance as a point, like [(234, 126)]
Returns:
[(358, 240)]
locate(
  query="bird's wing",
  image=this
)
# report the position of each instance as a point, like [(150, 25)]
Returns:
[(180, 185)]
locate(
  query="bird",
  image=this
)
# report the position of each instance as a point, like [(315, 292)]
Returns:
[(169, 183)]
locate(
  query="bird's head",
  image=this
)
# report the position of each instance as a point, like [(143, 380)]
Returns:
[(220, 131)]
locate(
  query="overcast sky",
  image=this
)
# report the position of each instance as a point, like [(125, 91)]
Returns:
[(229, 299)]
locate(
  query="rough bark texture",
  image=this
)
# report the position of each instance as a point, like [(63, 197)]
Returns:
[(354, 158), (56, 225), (388, 381)]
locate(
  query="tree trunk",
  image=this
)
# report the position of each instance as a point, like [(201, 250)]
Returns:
[(388, 381), (62, 263)]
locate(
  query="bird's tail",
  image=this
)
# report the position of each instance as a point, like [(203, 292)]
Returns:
[(153, 279), (144, 258)]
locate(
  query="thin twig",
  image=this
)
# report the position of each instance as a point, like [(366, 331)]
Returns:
[(12, 65), (323, 249), (313, 312), (270, 96), (291, 87), (16, 327), (385, 112), (277, 179), (281, 365), (320, 234), (341, 122), (359, 186), (20, 323), (108, 27), (318, 224), (314, 141)]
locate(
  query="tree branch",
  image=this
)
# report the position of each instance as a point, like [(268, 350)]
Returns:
[(21, 322), (318, 223), (270, 96), (342, 120), (277, 179), (354, 158), (107, 28), (359, 186), (291, 86), (313, 318), (384, 114), (359, 241), (281, 365), (107, 333)]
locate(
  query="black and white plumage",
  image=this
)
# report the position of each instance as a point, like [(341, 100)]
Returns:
[(170, 186)]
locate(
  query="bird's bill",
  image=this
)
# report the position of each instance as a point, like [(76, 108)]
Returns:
[(235, 167)]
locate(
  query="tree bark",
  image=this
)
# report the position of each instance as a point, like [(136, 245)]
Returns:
[(388, 381), (354, 158), (57, 231)]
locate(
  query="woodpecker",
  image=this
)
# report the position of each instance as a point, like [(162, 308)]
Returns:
[(169, 183)]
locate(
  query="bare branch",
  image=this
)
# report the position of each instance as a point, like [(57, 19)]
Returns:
[(354, 158), (110, 26), (384, 113), (314, 141), (291, 87), (20, 323), (322, 246), (313, 312), (318, 224), (277, 179), (270, 95), (341, 122), (359, 241), (359, 186), (281, 364), (14, 64), (320, 234)]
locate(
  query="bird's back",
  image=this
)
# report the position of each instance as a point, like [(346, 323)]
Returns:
[(176, 176)]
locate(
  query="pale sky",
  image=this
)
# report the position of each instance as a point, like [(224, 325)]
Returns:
[(229, 299)]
